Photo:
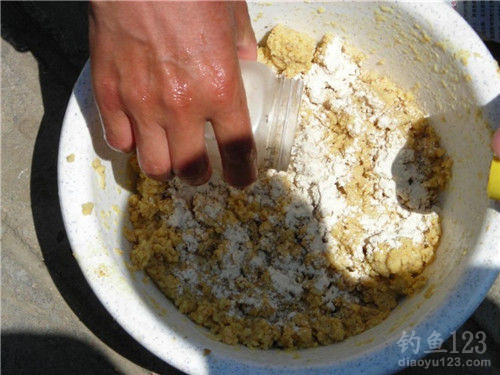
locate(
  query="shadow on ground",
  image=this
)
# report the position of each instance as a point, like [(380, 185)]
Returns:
[(56, 35), (31, 353)]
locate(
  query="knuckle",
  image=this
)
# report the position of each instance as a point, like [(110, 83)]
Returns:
[(177, 95), (178, 98), (135, 92), (223, 80), (177, 91), (224, 89)]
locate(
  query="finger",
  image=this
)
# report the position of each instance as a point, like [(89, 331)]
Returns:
[(116, 124), (152, 150), (495, 143), (246, 43), (188, 151), (235, 139), (117, 131)]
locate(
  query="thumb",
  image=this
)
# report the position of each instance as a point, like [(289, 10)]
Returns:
[(245, 42)]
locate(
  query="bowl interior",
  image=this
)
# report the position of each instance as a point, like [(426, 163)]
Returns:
[(456, 84)]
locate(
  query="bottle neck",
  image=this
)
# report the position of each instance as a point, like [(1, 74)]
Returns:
[(282, 122), (274, 105)]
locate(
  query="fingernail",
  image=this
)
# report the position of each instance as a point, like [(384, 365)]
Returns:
[(196, 172), (242, 178), (240, 163)]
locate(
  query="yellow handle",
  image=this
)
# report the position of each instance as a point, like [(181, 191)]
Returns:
[(494, 181)]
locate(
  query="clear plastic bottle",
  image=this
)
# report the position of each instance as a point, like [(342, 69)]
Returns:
[(274, 104)]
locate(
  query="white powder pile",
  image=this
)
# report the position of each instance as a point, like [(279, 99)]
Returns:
[(319, 176)]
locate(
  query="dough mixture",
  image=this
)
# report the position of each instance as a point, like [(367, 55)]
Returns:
[(320, 252)]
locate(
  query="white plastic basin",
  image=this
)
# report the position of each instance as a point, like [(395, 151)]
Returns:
[(424, 44)]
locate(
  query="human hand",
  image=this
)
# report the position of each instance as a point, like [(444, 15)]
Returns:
[(494, 178), (160, 70), (495, 143)]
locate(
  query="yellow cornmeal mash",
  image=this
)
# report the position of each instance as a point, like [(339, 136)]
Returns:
[(288, 50), (191, 241)]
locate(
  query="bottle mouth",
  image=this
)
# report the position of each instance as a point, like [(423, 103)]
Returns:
[(282, 122)]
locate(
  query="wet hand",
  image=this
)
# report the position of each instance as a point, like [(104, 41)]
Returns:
[(160, 70)]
